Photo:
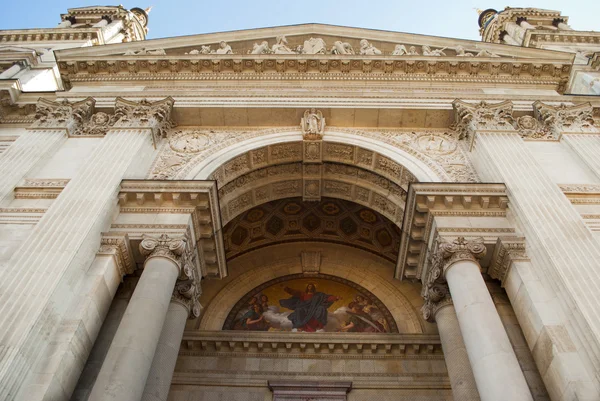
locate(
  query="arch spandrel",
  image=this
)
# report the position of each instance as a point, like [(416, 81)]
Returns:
[(217, 146)]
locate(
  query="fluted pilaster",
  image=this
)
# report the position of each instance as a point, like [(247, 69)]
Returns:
[(54, 121), (564, 251), (40, 280)]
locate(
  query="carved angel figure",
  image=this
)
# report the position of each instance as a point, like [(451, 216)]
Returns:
[(436, 52), (281, 46), (460, 52), (314, 46), (340, 47), (313, 122), (224, 48), (399, 50), (263, 48), (368, 49), (203, 50), (485, 53)]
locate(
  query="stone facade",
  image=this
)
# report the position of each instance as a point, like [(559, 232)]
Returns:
[(304, 212)]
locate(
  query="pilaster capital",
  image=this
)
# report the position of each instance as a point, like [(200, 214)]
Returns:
[(145, 114), (174, 248), (472, 117), (566, 119), (62, 115), (507, 251), (461, 249), (117, 245)]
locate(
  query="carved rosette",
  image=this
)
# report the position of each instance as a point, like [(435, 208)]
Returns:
[(62, 115), (187, 288), (578, 118), (483, 116), (145, 114), (435, 289)]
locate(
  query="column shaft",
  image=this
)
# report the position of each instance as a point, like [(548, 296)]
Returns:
[(40, 280), (23, 154), (455, 355), (165, 357), (491, 355), (127, 364)]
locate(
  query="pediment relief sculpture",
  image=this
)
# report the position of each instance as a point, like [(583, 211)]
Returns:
[(224, 48), (367, 49), (145, 52)]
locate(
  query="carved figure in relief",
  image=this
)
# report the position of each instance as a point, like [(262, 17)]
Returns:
[(340, 47), (399, 50), (460, 52), (485, 53), (224, 48), (280, 47), (144, 52), (262, 48), (313, 122), (412, 51), (435, 52), (203, 50), (368, 49), (313, 46)]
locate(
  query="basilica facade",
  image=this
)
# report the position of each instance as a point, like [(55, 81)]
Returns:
[(307, 212)]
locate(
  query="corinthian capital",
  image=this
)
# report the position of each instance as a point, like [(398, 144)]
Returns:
[(168, 247), (563, 118), (62, 115), (472, 117), (461, 249), (145, 114), (435, 288)]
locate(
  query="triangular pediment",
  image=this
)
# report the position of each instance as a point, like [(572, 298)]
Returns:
[(305, 39)]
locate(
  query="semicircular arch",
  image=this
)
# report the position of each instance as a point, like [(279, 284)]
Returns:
[(402, 299)]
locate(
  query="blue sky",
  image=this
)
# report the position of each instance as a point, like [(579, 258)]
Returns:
[(168, 18)]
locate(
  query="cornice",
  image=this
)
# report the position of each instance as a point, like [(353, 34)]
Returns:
[(341, 345), (198, 198), (425, 200), (52, 35), (316, 67)]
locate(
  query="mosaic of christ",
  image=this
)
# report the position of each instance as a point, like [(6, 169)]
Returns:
[(310, 305)]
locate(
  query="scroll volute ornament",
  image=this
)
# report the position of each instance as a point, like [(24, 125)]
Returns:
[(145, 114), (164, 246), (461, 249), (436, 293), (63, 115), (472, 117)]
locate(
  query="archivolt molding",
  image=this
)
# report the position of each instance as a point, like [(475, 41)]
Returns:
[(431, 155), (394, 294)]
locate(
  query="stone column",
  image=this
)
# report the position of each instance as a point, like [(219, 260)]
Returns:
[(127, 364), (54, 122), (167, 350), (492, 357), (515, 31), (438, 307), (524, 24), (41, 279), (505, 36), (563, 250)]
